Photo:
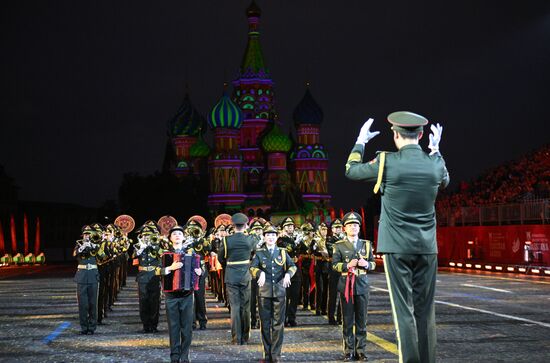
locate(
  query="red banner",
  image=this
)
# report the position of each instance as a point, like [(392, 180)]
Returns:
[(13, 235), (26, 234), (494, 244), (37, 238), (2, 245)]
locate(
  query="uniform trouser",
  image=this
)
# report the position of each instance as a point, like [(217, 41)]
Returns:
[(307, 298), (213, 282), (149, 302), (354, 313), (200, 301), (87, 306), (272, 317), (292, 297), (102, 293), (239, 300), (411, 284), (254, 300), (179, 313), (113, 285), (333, 278), (321, 291)]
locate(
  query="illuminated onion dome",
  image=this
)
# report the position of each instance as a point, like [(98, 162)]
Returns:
[(308, 111), (187, 121), (276, 142), (200, 149), (226, 114), (253, 10)]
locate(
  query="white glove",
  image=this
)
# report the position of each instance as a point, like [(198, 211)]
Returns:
[(365, 135), (435, 138), (286, 281), (261, 279)]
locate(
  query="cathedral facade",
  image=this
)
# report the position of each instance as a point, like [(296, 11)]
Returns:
[(252, 164)]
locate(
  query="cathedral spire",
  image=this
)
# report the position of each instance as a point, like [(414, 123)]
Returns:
[(253, 65)]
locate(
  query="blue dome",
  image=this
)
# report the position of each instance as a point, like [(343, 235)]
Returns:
[(308, 111), (187, 120), (226, 114)]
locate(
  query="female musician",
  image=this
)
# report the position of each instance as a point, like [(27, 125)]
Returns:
[(179, 304)]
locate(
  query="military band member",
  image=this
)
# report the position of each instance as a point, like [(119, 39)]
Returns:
[(202, 247), (306, 263), (147, 251), (408, 181), (235, 251), (273, 269), (217, 273), (256, 230), (353, 257), (286, 241), (179, 304), (322, 268), (334, 308), (87, 279)]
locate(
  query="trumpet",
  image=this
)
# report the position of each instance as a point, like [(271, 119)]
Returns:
[(194, 232), (96, 237)]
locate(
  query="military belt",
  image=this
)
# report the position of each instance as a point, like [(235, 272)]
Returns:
[(87, 266), (355, 272), (147, 268), (305, 256), (238, 262)]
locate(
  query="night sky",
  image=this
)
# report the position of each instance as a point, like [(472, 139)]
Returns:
[(88, 86)]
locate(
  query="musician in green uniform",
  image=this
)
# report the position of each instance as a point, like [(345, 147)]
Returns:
[(179, 304), (273, 268), (334, 276), (287, 240), (352, 258), (87, 279), (408, 181), (256, 231), (235, 251), (147, 251)]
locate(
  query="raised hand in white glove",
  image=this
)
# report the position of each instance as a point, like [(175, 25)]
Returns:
[(261, 279), (435, 138), (365, 135)]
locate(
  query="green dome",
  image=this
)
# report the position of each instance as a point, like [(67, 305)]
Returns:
[(226, 114), (200, 149), (275, 141)]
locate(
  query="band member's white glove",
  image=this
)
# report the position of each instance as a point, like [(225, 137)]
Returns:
[(435, 138), (365, 135), (198, 271), (286, 281), (261, 279)]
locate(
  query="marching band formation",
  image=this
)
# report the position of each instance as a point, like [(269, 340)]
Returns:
[(260, 271)]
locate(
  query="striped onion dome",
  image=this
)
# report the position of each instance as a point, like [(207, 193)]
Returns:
[(187, 120), (226, 114), (275, 141), (308, 111), (200, 149)]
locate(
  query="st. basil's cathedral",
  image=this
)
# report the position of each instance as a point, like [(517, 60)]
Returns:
[(252, 166)]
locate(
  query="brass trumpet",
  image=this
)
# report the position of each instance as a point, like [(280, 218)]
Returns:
[(96, 237)]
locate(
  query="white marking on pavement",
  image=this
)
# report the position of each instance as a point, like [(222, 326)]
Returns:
[(546, 325), (486, 287)]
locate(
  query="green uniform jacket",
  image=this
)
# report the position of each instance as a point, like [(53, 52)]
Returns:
[(235, 251), (344, 252), (410, 182), (275, 267)]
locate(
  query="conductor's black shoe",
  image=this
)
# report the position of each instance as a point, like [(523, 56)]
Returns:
[(348, 357), (361, 357)]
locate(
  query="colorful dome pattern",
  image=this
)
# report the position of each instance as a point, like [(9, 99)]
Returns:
[(187, 121), (276, 141), (200, 149), (226, 114), (308, 111)]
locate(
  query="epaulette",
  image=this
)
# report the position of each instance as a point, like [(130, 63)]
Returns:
[(340, 241), (382, 151)]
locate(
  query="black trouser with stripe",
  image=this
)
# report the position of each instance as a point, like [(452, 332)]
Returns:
[(272, 317), (334, 277), (354, 313), (200, 300), (239, 300), (87, 306), (411, 283), (149, 299), (179, 313), (293, 296)]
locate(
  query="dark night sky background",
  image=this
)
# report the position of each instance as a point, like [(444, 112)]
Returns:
[(88, 86)]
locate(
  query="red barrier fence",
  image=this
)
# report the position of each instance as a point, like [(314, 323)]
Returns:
[(495, 244)]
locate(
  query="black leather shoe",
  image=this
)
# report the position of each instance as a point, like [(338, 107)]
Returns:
[(91, 332), (83, 332), (292, 324), (203, 327), (348, 357), (361, 357), (318, 313), (332, 322), (154, 330)]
